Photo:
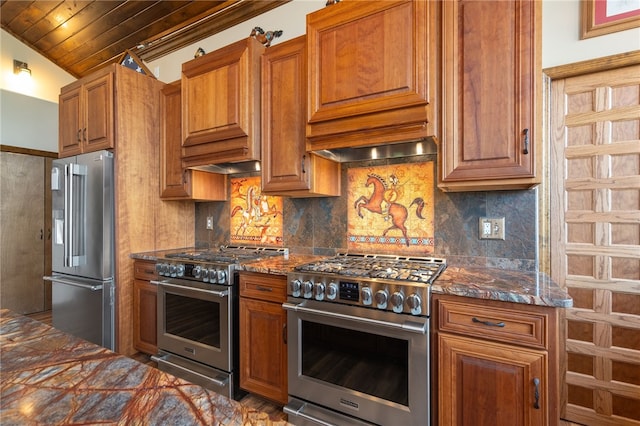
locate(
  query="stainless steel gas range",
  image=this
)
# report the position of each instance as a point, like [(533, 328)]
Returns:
[(358, 340), (198, 314)]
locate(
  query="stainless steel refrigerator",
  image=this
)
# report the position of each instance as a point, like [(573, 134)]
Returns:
[(83, 287)]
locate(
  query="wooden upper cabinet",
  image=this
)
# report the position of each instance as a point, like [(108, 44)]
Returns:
[(177, 183), (220, 98), (372, 69), (490, 106), (86, 121), (287, 169)]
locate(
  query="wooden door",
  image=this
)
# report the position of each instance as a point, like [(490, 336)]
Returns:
[(173, 179), (22, 220), (145, 338), (490, 384), (595, 240)]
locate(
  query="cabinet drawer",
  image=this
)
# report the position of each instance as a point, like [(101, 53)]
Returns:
[(266, 287), (520, 327), (144, 270)]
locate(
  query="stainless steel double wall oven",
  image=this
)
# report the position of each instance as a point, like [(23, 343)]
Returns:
[(358, 340), (198, 315)]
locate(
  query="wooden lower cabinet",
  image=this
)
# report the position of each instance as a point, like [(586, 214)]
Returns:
[(263, 334), (496, 363), (145, 295)]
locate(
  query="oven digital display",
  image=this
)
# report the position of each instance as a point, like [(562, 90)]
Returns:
[(349, 291)]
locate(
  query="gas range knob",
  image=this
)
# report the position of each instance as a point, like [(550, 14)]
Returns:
[(307, 289), (159, 269), (294, 287), (222, 276), (196, 272), (172, 270), (213, 276), (382, 296), (318, 290), (414, 303), (365, 295), (205, 275), (179, 270), (332, 291), (397, 301)]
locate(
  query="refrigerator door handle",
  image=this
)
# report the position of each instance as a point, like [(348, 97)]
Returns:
[(76, 206), (92, 287)]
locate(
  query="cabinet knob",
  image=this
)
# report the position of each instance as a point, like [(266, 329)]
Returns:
[(525, 133)]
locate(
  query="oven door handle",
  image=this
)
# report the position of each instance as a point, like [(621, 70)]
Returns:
[(224, 293), (414, 327), (217, 382)]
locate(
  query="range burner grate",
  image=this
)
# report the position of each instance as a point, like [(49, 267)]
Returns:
[(398, 268)]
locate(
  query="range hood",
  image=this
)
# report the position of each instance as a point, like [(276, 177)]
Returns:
[(230, 168), (410, 148)]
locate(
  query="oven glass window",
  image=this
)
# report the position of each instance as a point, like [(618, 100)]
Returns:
[(364, 362), (193, 319)]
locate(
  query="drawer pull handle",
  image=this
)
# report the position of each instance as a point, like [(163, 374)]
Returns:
[(536, 393), (261, 288), (492, 324)]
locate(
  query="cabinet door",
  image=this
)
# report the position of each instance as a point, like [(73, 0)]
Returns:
[(98, 106), (173, 182), (145, 316), (490, 75), (284, 97), (482, 383), (263, 349), (69, 123), (369, 68)]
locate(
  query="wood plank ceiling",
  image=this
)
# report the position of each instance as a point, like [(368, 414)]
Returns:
[(82, 36)]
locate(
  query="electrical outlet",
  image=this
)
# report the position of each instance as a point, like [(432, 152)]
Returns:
[(209, 222), (491, 228)]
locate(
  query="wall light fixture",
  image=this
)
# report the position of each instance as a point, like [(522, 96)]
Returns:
[(21, 68)]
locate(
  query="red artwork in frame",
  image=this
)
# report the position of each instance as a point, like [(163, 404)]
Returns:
[(601, 17)]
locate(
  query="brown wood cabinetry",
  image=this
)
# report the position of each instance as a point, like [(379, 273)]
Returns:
[(496, 363), (220, 98), (287, 169), (86, 109), (145, 294), (490, 105), (372, 72), (263, 346), (177, 183)]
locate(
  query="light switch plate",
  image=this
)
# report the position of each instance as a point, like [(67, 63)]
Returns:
[(209, 222), (491, 228)]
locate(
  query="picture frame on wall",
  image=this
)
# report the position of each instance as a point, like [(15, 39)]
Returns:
[(601, 17)]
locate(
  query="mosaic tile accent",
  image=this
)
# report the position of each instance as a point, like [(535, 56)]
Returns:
[(255, 218), (391, 208)]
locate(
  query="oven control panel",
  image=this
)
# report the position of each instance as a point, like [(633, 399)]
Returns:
[(401, 298), (196, 272)]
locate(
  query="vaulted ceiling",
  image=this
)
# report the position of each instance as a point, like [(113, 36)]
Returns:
[(82, 36)]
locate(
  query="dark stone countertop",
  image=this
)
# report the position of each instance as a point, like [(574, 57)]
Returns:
[(532, 288), (50, 377)]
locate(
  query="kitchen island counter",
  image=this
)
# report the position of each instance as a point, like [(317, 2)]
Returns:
[(50, 377)]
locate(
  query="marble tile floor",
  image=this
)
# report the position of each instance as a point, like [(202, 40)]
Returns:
[(274, 411)]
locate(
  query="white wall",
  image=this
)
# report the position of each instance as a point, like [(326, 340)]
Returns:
[(290, 18), (561, 42), (561, 45), (46, 77)]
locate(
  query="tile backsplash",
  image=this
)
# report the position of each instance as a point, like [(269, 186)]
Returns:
[(320, 225)]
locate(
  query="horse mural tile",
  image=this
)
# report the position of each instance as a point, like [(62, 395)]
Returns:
[(256, 218), (391, 208)]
